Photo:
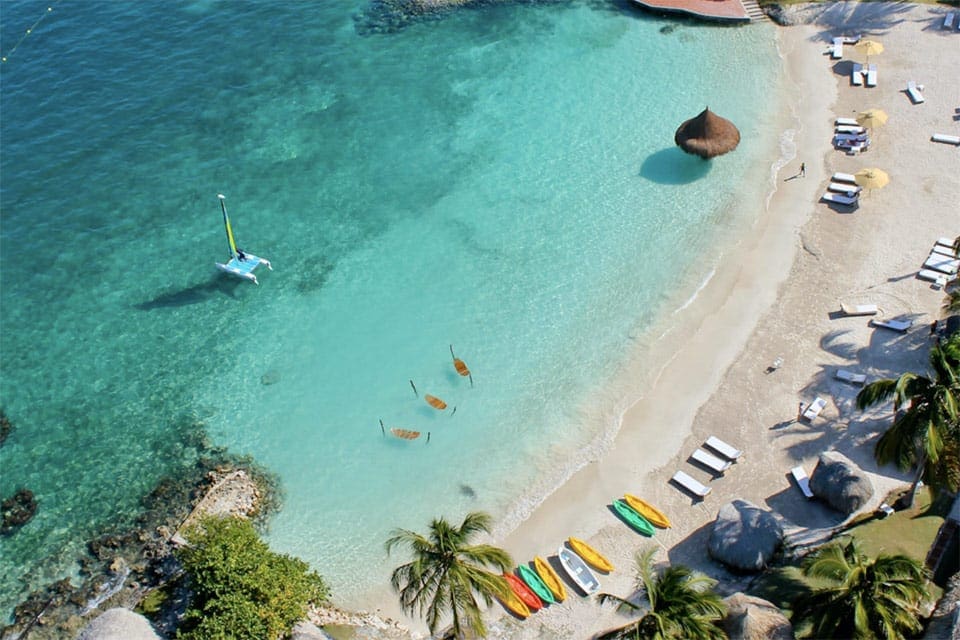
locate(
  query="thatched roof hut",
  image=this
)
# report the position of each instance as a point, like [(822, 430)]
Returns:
[(707, 135), (750, 618)]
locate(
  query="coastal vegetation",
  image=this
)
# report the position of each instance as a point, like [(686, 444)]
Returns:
[(861, 597), (925, 432), (240, 588), (680, 603), (448, 573)]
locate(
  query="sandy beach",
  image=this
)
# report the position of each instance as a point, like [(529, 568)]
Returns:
[(777, 297)]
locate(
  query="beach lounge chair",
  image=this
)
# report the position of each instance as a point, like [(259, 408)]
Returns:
[(844, 177), (942, 263), (812, 411), (872, 75), (856, 75), (849, 128), (914, 92), (691, 484), (711, 461), (946, 139), (844, 187), (896, 325), (836, 50), (839, 198), (852, 122), (851, 377), (945, 242), (723, 448), (802, 481), (948, 21), (932, 276), (858, 309), (850, 39), (944, 251)]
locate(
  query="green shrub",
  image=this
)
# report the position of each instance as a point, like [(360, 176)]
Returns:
[(242, 589)]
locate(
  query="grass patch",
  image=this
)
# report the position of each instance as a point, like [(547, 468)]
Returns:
[(152, 603), (910, 532)]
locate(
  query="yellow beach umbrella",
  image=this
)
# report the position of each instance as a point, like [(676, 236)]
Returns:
[(869, 48), (872, 118), (872, 178)]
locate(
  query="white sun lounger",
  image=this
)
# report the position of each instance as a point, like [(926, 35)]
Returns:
[(944, 251), (871, 75), (915, 96), (945, 242), (844, 177), (836, 51), (932, 276), (856, 75), (896, 325), (723, 448), (852, 122), (946, 139), (802, 481), (858, 309), (711, 461), (843, 187), (811, 412), (942, 263), (691, 484), (838, 198), (851, 377), (849, 128), (948, 21)]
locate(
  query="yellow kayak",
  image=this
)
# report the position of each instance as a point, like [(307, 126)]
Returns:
[(648, 511), (593, 557), (512, 603), (550, 578)]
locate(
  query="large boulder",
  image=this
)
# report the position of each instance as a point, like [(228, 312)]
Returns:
[(119, 624), (744, 536), (305, 630), (839, 482), (750, 618)]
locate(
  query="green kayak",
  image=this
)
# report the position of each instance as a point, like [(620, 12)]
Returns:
[(534, 582), (633, 518)]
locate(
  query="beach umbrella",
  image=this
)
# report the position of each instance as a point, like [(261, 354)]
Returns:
[(872, 178), (872, 118), (707, 135), (869, 48)]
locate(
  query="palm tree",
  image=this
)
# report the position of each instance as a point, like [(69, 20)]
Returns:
[(863, 598), (447, 572), (925, 423), (681, 602)]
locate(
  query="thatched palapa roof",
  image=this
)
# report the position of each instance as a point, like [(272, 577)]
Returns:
[(707, 135)]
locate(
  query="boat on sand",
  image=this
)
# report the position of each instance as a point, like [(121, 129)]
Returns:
[(633, 518), (512, 603), (523, 592), (550, 578), (655, 516), (578, 570), (593, 557), (533, 581)]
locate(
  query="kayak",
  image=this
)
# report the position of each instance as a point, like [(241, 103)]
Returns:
[(633, 518), (534, 582), (550, 578), (593, 557), (512, 603), (523, 592), (655, 516)]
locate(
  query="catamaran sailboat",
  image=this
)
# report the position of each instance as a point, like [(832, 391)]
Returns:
[(241, 263)]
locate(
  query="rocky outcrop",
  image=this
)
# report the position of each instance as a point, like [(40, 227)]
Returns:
[(945, 621), (744, 536), (839, 482), (750, 618), (119, 624), (17, 510), (365, 625)]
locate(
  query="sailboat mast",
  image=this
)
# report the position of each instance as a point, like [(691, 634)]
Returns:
[(226, 225)]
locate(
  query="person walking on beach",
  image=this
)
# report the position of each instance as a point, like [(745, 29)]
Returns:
[(803, 169)]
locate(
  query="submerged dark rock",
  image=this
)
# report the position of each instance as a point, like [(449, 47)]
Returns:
[(6, 427), (17, 510)]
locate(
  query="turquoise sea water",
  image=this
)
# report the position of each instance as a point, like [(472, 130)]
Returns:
[(502, 179)]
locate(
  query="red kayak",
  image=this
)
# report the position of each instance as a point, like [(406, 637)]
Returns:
[(523, 592)]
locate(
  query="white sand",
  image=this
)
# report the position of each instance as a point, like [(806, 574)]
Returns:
[(774, 297)]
